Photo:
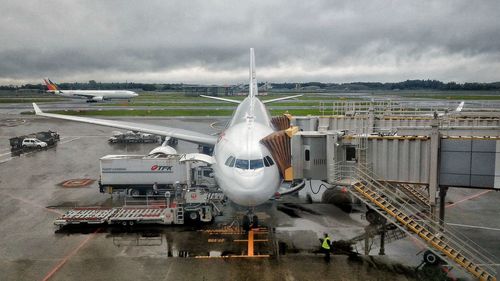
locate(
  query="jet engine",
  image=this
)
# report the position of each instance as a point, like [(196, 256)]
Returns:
[(97, 99), (163, 149)]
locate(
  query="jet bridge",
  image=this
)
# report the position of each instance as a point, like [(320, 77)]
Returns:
[(387, 174), (396, 164), (472, 162)]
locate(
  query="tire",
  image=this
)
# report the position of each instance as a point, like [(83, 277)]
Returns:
[(430, 258), (245, 223), (255, 222), (131, 223), (193, 216)]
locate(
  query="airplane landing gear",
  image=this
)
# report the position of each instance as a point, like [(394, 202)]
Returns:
[(250, 221)]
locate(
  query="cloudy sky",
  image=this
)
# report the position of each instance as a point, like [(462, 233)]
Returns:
[(208, 41)]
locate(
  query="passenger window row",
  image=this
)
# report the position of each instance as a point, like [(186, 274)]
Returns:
[(245, 164)]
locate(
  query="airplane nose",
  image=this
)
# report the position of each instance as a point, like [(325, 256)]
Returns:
[(251, 191)]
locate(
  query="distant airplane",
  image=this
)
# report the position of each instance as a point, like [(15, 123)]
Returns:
[(90, 95), (243, 167), (456, 111)]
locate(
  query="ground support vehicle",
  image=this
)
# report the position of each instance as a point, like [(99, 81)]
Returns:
[(135, 137), (193, 206), (136, 174), (49, 137)]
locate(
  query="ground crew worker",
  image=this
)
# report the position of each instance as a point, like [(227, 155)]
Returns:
[(326, 246), (155, 188)]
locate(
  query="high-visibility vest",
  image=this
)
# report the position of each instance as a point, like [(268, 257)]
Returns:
[(326, 243)]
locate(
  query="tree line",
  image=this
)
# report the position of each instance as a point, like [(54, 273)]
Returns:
[(352, 86), (404, 85)]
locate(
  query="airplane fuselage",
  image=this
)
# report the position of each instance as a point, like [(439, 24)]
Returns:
[(244, 168), (96, 94)]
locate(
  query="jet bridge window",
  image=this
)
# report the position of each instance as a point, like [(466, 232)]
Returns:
[(268, 161), (242, 164), (230, 161), (256, 164), (350, 153)]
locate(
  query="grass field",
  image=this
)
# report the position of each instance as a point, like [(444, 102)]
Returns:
[(204, 107), (176, 112), (449, 95), (201, 104)]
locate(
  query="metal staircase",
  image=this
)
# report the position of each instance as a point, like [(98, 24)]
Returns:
[(416, 193), (451, 246)]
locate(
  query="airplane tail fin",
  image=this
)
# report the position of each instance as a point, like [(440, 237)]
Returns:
[(460, 107), (253, 80), (51, 86)]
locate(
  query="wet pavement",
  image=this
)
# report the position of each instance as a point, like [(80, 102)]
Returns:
[(32, 248)]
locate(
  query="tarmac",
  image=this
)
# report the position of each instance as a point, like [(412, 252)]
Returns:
[(32, 248)]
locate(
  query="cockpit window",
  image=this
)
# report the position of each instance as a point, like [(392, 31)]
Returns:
[(230, 161), (268, 161), (242, 164), (256, 164)]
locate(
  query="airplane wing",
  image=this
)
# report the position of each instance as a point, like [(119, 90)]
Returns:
[(146, 128), (278, 99), (222, 99)]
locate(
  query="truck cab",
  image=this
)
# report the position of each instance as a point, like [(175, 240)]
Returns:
[(33, 143), (204, 176)]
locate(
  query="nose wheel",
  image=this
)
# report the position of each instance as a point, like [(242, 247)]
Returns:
[(250, 221)]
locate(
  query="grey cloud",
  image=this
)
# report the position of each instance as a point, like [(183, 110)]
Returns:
[(381, 40)]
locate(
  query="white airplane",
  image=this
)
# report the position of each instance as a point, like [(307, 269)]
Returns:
[(447, 112), (243, 167), (90, 95)]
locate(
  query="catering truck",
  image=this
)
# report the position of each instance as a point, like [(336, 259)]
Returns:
[(136, 174)]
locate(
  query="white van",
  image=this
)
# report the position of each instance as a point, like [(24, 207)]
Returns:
[(33, 143)]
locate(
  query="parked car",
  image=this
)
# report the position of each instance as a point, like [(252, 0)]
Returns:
[(33, 143)]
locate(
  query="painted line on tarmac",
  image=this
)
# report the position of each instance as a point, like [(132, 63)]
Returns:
[(68, 256), (467, 198), (32, 203), (473, 226), (70, 140), (169, 268), (5, 160), (5, 154)]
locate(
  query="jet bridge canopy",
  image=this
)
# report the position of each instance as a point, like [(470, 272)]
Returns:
[(471, 162)]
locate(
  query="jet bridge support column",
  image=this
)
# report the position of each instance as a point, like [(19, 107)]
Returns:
[(433, 173), (382, 238), (331, 144), (442, 196)]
